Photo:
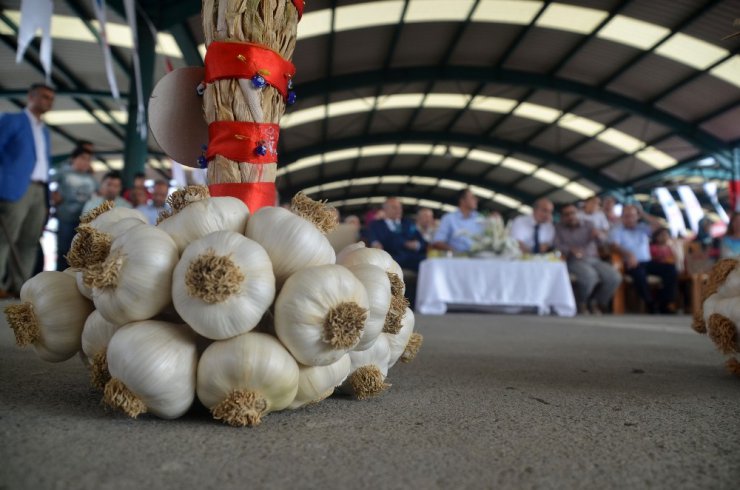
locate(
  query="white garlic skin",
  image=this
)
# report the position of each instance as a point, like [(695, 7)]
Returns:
[(378, 288), (144, 284), (252, 362), (200, 218), (60, 311), (303, 304), (291, 242), (106, 221), (400, 340), (379, 354), (318, 382), (157, 361), (374, 256), (238, 313), (96, 334), (84, 290)]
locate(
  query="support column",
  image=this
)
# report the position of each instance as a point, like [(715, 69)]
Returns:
[(135, 150)]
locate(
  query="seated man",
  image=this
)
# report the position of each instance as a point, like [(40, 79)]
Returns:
[(110, 190), (398, 236), (159, 202), (457, 229), (632, 241), (535, 233), (596, 280)]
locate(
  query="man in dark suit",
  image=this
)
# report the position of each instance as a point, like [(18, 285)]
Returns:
[(25, 156), (402, 240), (398, 236)]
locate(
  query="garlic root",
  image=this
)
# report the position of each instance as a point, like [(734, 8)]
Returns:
[(89, 247), (723, 333), (182, 198), (412, 348), (105, 274), (213, 278), (104, 207), (24, 323), (367, 382), (717, 277), (241, 408), (343, 325), (733, 366), (118, 396), (99, 374), (316, 212)]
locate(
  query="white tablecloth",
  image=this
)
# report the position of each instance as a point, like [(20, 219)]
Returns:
[(494, 282)]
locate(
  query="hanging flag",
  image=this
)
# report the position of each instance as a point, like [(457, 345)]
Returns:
[(178, 174), (676, 223), (130, 7), (36, 14), (100, 9)]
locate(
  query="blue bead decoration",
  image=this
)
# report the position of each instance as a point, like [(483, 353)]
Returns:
[(204, 147), (261, 150), (258, 81), (202, 162), (291, 98)]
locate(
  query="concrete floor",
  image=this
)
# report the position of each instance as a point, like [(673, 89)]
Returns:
[(493, 401)]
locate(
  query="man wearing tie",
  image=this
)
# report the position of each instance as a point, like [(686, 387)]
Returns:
[(535, 233), (24, 174), (398, 236)]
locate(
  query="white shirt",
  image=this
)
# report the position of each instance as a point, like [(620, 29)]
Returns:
[(522, 229), (41, 169), (598, 219), (393, 225)]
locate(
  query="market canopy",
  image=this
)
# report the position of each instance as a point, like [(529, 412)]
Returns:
[(420, 98)]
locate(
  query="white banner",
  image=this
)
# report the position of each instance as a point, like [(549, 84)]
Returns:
[(711, 189), (100, 8), (692, 207), (178, 174), (675, 219), (35, 15), (130, 7)]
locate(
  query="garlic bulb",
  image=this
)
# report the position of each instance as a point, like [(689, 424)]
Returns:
[(347, 250), (195, 215), (135, 280), (355, 255), (50, 316), (243, 378), (318, 382), (107, 214), (294, 240), (152, 366), (320, 314), (96, 335), (378, 288), (368, 370), (223, 285), (406, 343), (84, 290)]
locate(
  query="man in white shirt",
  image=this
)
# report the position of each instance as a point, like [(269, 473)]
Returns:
[(159, 202), (24, 175), (458, 229), (535, 233)]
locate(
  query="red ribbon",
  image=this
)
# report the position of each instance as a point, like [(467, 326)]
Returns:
[(299, 4), (240, 141), (255, 195), (226, 60)]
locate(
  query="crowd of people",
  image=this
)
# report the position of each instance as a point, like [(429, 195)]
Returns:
[(588, 238), (32, 192), (585, 238)]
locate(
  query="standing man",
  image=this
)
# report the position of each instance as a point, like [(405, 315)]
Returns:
[(596, 280), (76, 186), (457, 230), (25, 153), (632, 241), (535, 233), (159, 202)]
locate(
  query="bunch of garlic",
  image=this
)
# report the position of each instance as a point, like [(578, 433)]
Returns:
[(251, 314)]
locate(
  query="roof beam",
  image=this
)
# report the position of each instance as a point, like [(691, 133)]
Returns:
[(687, 130), (186, 42), (524, 197), (460, 138), (64, 92)]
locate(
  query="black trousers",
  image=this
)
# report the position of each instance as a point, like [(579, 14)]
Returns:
[(666, 272)]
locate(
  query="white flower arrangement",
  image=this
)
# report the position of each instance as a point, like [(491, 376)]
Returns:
[(495, 239)]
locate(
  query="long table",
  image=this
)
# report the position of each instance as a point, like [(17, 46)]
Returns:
[(539, 283)]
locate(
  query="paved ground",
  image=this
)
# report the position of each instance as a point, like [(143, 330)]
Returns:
[(493, 401)]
